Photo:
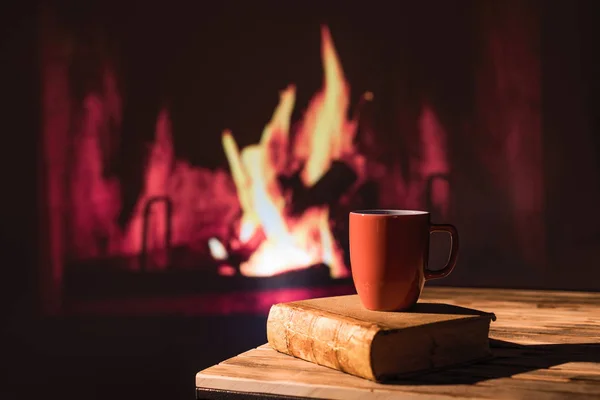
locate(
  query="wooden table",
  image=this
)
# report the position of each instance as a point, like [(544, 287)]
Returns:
[(546, 345)]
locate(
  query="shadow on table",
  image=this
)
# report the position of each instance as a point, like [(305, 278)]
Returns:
[(509, 359), (447, 309)]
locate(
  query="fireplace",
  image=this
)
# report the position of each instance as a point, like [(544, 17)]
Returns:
[(215, 155)]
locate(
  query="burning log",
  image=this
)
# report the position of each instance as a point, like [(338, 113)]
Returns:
[(328, 190)]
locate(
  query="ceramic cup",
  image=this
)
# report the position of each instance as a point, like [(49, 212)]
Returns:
[(389, 251)]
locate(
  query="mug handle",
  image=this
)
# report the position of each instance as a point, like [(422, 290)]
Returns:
[(442, 273)]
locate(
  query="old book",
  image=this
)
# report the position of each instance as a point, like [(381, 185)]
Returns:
[(338, 332)]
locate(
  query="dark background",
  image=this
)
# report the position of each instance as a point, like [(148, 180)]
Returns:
[(158, 356)]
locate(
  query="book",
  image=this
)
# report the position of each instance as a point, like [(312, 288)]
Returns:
[(338, 332)]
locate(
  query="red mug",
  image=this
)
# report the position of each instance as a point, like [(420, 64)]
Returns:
[(389, 251)]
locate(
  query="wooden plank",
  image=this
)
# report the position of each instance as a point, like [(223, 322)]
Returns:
[(294, 377), (546, 346), (528, 316), (505, 364), (449, 293)]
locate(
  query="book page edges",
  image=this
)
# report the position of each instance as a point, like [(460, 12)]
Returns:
[(429, 347), (321, 337)]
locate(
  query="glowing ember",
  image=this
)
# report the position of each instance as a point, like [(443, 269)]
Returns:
[(217, 250)]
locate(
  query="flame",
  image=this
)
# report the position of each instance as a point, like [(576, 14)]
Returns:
[(157, 177), (324, 135), (433, 157)]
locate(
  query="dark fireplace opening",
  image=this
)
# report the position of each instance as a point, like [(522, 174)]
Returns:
[(274, 216), (215, 155)]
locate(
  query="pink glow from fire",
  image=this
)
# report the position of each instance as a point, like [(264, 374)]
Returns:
[(251, 214)]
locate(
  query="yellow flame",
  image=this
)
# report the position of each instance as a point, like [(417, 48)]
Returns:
[(325, 135)]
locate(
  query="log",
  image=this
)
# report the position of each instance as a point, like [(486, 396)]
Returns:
[(327, 191)]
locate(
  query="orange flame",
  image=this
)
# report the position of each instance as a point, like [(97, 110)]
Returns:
[(324, 135)]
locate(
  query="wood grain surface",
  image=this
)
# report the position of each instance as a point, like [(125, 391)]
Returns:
[(546, 345)]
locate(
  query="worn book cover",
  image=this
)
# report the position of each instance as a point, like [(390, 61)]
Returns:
[(338, 332)]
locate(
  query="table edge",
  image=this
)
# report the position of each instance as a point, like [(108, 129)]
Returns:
[(222, 394)]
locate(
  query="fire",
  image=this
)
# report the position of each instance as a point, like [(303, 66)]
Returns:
[(269, 214), (325, 134), (244, 219)]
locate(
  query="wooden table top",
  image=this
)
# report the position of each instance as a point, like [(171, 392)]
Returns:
[(546, 345)]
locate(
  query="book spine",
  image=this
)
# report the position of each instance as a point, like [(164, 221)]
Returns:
[(322, 338)]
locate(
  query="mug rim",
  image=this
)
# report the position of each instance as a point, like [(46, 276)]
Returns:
[(388, 212)]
